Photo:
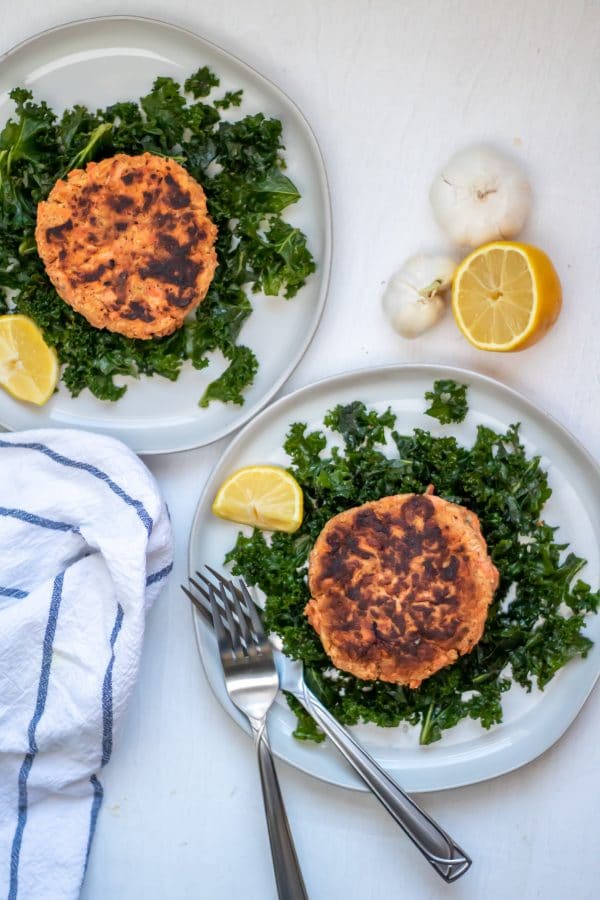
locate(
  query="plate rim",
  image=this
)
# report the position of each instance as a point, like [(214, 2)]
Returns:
[(314, 386), (246, 415)]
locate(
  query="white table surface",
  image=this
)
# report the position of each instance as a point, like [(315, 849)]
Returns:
[(391, 90)]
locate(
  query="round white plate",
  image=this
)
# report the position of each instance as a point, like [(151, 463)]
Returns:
[(99, 61), (532, 722)]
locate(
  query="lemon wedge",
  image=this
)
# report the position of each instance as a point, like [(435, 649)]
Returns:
[(266, 497), (28, 366), (506, 296)]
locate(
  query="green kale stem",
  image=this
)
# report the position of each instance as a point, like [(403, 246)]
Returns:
[(425, 733)]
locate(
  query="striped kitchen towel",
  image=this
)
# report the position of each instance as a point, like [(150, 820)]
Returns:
[(85, 547)]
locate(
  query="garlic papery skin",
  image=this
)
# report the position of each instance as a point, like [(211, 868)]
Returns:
[(480, 195), (412, 300)]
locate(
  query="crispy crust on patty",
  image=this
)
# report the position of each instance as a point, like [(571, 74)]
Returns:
[(400, 587), (128, 243)]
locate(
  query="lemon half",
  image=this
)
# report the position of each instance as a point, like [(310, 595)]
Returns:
[(266, 497), (506, 296), (28, 366)]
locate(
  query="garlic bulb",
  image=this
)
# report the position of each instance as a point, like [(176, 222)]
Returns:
[(412, 300), (479, 196)]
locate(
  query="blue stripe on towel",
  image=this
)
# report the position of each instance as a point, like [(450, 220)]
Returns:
[(107, 698), (158, 576), (96, 804), (93, 470), (33, 748), (107, 737), (40, 521), (21, 820), (13, 592)]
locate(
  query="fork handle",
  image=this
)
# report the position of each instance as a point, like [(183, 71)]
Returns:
[(290, 884), (438, 848)]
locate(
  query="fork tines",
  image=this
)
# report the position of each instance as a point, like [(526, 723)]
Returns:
[(227, 607)]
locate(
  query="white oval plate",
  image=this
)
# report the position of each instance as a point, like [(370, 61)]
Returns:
[(99, 61), (532, 722)]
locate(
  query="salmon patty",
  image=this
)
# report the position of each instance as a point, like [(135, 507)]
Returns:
[(400, 587), (128, 243)]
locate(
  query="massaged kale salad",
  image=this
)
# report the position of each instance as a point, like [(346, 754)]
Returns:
[(535, 623), (238, 162)]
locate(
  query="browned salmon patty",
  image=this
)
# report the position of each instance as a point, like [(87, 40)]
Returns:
[(128, 243), (400, 587)]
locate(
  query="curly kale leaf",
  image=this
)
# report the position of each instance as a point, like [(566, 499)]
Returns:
[(230, 98), (279, 261), (448, 401), (201, 83), (241, 370)]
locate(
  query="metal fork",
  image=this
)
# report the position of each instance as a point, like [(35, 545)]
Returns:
[(252, 683), (443, 853)]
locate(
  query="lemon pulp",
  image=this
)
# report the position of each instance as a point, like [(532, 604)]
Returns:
[(266, 497), (28, 366), (506, 296)]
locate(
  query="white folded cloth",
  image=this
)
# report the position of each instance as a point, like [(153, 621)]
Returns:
[(85, 548)]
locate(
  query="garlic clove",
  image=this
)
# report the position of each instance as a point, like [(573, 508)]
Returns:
[(481, 195), (412, 300), (414, 317), (428, 274)]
